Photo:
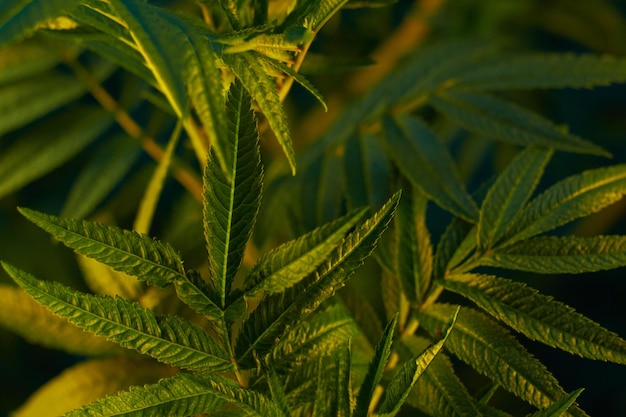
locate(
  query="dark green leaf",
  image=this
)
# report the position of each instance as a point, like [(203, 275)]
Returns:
[(339, 383), (405, 378), (182, 394), (455, 234), (509, 194), (277, 313), (288, 264), (24, 101), (367, 171), (232, 197), (375, 370), (560, 407), (542, 70), (25, 60), (105, 169), (277, 391), (426, 162), (125, 251), (254, 403), (539, 317), (561, 255), (438, 392), (318, 336), (413, 250), (490, 349), (501, 120), (574, 197)]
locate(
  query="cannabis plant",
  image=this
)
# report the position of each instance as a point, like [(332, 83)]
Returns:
[(328, 297)]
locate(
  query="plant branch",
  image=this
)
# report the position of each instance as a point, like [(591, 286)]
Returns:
[(184, 176)]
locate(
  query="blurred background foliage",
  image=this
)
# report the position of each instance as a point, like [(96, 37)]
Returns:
[(365, 45)]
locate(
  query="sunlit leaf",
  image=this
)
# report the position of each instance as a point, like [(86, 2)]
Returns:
[(438, 392), (19, 18), (169, 339), (150, 199), (30, 320), (560, 407), (158, 42), (104, 280), (262, 90), (89, 381), (182, 394)]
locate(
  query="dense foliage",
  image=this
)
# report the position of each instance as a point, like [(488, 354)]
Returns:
[(301, 266)]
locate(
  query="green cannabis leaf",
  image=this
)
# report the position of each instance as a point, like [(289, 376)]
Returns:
[(240, 250)]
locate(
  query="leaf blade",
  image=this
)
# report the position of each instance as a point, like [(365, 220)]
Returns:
[(560, 255), (276, 314), (539, 317), (260, 87), (501, 120), (542, 70), (169, 339), (405, 378), (375, 369), (181, 394), (125, 251), (19, 18), (157, 40), (232, 197), (509, 193), (574, 197), (286, 265), (89, 381), (425, 161), (30, 320), (413, 249), (490, 349), (439, 392)]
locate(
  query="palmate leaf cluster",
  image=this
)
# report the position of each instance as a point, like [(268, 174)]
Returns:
[(274, 319)]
